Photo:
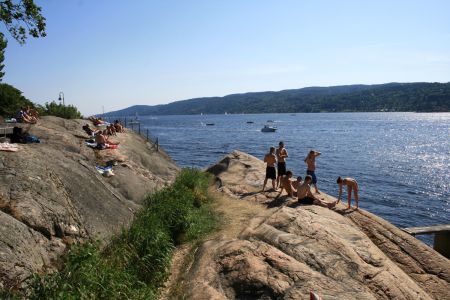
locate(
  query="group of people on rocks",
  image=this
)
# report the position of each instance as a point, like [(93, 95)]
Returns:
[(27, 115), (301, 188), (102, 136)]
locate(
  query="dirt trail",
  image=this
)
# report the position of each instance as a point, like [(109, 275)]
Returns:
[(234, 215)]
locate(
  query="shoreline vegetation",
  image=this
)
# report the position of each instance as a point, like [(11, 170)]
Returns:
[(134, 265), (390, 97)]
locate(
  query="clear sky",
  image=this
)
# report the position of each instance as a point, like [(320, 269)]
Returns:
[(117, 53)]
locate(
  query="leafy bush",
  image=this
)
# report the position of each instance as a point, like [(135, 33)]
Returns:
[(134, 265), (59, 110), (11, 100)]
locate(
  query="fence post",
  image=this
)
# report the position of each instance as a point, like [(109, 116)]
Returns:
[(139, 127), (147, 134), (157, 144), (125, 122)]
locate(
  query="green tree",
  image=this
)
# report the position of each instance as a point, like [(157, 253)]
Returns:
[(3, 44), (11, 99), (22, 18), (59, 110)]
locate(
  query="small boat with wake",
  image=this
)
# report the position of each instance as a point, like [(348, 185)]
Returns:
[(250, 122), (268, 128), (210, 124)]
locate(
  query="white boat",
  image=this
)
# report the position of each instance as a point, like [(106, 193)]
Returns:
[(135, 121), (267, 128)]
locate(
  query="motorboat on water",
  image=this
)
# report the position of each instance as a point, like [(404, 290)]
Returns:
[(250, 122), (270, 121), (210, 124), (268, 128)]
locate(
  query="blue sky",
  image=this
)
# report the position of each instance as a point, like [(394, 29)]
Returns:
[(116, 54)]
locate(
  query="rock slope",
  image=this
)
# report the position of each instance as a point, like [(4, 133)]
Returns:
[(52, 195), (339, 254)]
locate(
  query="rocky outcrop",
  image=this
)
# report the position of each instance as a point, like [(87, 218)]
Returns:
[(52, 195), (339, 254)]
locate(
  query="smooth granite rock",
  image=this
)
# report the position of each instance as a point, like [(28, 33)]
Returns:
[(51, 194), (338, 254)]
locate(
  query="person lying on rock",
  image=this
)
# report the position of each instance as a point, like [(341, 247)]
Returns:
[(286, 184), (89, 130), (351, 184), (271, 173), (305, 196)]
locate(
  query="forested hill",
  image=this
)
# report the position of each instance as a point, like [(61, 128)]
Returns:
[(419, 97)]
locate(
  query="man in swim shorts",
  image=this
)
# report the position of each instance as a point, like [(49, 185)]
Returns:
[(305, 196), (281, 157), (271, 160), (351, 184), (310, 161)]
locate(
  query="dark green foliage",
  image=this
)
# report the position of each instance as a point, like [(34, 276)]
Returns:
[(59, 110), (134, 265), (22, 18), (420, 97), (11, 100)]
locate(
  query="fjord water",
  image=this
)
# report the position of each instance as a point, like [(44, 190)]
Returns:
[(400, 160)]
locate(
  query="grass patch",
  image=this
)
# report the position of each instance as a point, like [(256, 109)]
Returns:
[(135, 263)]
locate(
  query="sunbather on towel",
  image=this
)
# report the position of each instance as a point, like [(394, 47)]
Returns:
[(103, 141)]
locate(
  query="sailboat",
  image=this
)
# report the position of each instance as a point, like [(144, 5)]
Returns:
[(135, 121)]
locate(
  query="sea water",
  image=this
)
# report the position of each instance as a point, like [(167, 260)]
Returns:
[(400, 160)]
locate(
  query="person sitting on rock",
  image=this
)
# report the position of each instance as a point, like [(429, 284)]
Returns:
[(102, 141), (23, 117), (286, 184), (305, 196), (111, 129), (118, 126), (351, 184), (271, 173), (32, 112), (297, 183)]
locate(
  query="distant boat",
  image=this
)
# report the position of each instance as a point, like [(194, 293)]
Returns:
[(135, 121), (267, 128), (210, 124), (270, 121), (250, 122), (225, 113), (293, 115)]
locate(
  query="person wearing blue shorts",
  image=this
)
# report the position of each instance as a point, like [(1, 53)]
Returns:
[(310, 161)]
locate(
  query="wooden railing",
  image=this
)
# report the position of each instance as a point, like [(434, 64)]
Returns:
[(441, 236)]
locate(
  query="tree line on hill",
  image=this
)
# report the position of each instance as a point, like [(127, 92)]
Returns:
[(416, 97)]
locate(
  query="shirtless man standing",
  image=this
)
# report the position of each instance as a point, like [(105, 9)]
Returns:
[(351, 184), (310, 160), (271, 173), (281, 156), (305, 196), (286, 184)]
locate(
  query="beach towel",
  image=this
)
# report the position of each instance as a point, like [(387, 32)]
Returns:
[(8, 147), (105, 171), (92, 145), (111, 146)]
